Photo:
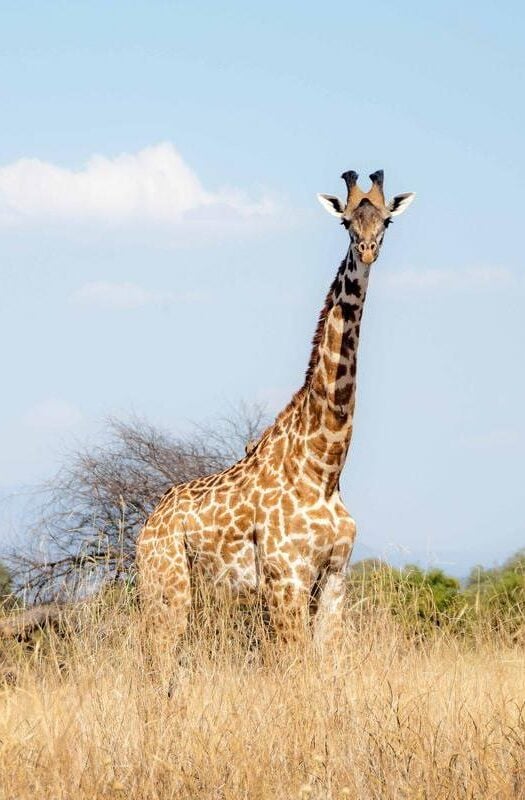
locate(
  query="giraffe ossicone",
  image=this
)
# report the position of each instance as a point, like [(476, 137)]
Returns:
[(274, 522)]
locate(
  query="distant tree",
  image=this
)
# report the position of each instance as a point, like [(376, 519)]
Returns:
[(94, 507), (516, 563), (481, 576), (418, 599), (441, 590), (498, 593)]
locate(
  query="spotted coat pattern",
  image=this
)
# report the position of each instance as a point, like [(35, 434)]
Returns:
[(274, 521)]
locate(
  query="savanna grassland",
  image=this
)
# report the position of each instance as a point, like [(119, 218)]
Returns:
[(394, 711)]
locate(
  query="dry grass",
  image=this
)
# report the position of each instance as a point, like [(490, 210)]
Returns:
[(384, 717)]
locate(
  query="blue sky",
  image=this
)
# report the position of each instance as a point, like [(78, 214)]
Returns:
[(162, 251)]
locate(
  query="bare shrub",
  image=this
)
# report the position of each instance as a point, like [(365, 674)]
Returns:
[(91, 511)]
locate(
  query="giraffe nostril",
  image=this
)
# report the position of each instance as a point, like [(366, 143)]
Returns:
[(361, 247), (373, 246)]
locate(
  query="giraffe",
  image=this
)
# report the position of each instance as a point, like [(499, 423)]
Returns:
[(274, 521)]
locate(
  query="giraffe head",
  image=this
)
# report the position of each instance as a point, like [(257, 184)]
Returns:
[(365, 215)]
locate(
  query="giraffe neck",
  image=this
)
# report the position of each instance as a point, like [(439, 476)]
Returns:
[(329, 390)]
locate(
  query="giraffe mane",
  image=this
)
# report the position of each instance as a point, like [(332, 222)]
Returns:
[(318, 335), (278, 422)]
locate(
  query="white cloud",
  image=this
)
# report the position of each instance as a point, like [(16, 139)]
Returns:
[(456, 279), (53, 414), (154, 185), (104, 294)]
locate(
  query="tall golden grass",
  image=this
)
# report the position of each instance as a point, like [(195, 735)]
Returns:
[(383, 715)]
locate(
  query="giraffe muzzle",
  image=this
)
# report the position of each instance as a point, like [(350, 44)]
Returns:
[(367, 252)]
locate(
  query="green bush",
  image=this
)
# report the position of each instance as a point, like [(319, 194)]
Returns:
[(424, 600), (498, 595), (420, 600)]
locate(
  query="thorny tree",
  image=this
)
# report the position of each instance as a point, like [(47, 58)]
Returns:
[(92, 510)]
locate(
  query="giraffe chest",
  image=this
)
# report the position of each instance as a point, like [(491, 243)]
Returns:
[(231, 539), (297, 533)]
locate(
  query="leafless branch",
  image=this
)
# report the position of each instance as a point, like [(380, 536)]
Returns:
[(92, 510)]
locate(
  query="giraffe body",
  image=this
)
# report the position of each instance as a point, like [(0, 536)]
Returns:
[(274, 522), (263, 524)]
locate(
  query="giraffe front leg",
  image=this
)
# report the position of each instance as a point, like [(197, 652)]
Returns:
[(328, 621), (329, 616), (164, 597), (287, 595)]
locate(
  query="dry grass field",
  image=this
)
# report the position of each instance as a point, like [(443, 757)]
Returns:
[(385, 716)]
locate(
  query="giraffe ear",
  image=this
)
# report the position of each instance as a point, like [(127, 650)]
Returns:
[(332, 204), (400, 203)]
